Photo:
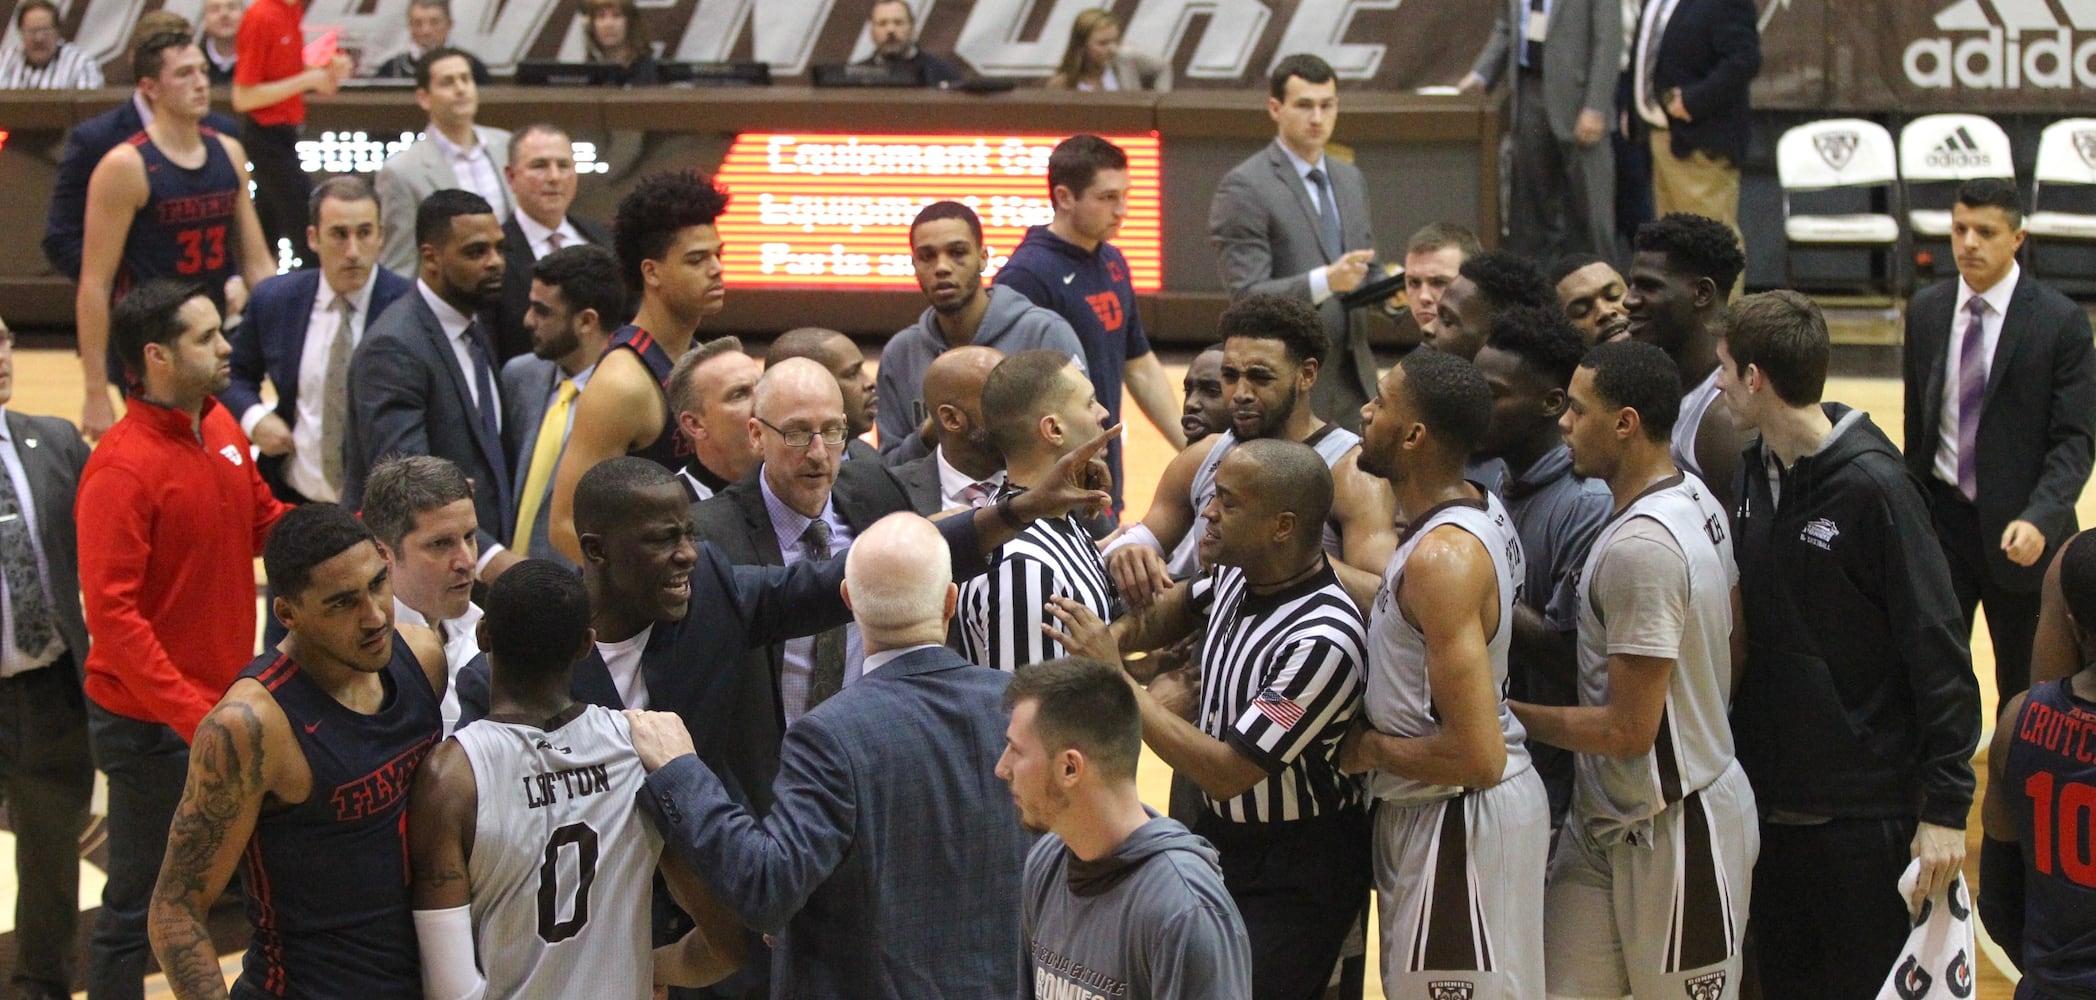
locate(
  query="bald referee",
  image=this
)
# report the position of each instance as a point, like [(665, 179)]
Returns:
[(1280, 680)]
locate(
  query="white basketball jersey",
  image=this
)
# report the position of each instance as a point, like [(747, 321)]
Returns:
[(1331, 443), (1694, 743), (1682, 442), (563, 864), (1398, 700)]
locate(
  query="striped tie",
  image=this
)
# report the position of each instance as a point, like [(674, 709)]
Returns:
[(1972, 396)]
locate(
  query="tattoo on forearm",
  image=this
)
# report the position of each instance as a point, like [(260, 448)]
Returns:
[(225, 772)]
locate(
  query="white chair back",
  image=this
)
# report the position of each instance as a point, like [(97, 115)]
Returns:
[(1833, 153), (2067, 152), (1954, 148)]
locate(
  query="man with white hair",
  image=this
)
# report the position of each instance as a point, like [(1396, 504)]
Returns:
[(862, 898)]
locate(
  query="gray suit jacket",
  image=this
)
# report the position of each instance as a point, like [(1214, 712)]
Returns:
[(52, 456), (1265, 232), (408, 396), (527, 386), (416, 173), (737, 521), (890, 865), (1580, 57)]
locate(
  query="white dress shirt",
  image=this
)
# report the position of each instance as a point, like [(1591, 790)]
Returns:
[(475, 169), (1320, 282), (622, 662), (797, 660), (539, 236), (455, 324), (1997, 299), (302, 469), (461, 645), (15, 661), (952, 481), (875, 661)]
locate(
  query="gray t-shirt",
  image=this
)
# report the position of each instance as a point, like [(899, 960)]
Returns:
[(1149, 921)]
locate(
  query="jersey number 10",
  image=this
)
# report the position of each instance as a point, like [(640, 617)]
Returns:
[(2061, 827), (552, 929)]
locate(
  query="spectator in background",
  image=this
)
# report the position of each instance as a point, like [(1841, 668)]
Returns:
[(89, 140), (541, 175), (892, 26), (1692, 63), (220, 39), (615, 34), (429, 29), (270, 84), (167, 568), (453, 153), (43, 59), (1434, 256), (1095, 60)]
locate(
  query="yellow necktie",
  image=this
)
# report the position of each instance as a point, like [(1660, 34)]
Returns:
[(544, 456)]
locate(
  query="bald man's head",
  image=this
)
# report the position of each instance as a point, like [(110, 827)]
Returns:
[(798, 399), (898, 580), (953, 396)]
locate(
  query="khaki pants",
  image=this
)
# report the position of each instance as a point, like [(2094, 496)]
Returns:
[(1702, 185)]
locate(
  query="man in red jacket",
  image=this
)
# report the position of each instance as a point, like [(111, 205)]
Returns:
[(171, 516)]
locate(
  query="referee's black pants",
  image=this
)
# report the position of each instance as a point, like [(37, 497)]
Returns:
[(1827, 920), (1300, 887), (2012, 616), (281, 186)]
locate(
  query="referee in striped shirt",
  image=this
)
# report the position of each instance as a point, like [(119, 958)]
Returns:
[(1280, 679), (1040, 407), (43, 59)]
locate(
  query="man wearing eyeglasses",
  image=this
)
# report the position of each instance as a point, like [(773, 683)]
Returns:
[(43, 60)]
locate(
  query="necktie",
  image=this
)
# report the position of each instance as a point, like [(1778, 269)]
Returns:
[(826, 672), (554, 241), (977, 494), (27, 604), (334, 406), (487, 403), (545, 454), (1972, 395), (1327, 214), (1531, 46)]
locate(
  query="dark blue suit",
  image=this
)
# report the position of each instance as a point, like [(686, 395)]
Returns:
[(889, 866), (270, 340), (65, 226)]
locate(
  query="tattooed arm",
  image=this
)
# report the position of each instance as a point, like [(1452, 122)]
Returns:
[(230, 771), (441, 810)]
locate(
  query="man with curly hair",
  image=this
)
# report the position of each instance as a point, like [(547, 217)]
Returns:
[(670, 256), (1487, 284), (1680, 277)]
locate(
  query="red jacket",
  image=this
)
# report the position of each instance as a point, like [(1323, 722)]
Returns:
[(169, 530), (271, 46)]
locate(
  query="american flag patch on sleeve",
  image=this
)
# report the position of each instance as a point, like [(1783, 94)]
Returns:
[(1282, 710)]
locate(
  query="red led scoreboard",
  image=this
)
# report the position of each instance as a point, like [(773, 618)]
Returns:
[(833, 211)]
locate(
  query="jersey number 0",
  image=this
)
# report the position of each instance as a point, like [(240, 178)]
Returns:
[(552, 929)]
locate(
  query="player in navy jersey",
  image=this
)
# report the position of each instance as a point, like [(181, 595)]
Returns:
[(300, 776), (2037, 880), (669, 252), (169, 203)]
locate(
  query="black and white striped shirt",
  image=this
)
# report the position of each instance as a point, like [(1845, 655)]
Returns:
[(71, 68), (1001, 611), (1280, 680)]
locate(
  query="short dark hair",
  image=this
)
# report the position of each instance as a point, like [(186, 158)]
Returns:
[(1302, 64), (1508, 280), (1450, 396), (1785, 335), (306, 536), (651, 215), (149, 314), (1640, 376), (1084, 705), (149, 56), (2078, 580), (538, 615), (1542, 339), (801, 342), (906, 8), (1436, 235), (1076, 162), (588, 278), (1565, 264), (341, 187), (402, 488), (1018, 392), (535, 128), (947, 210), (1694, 245), (1285, 318), (433, 217), (443, 5), (1297, 480), (606, 490), (1994, 192), (428, 63), (681, 388), (22, 11)]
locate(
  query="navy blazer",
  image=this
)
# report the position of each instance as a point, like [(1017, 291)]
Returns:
[(890, 864), (408, 396), (65, 224), (271, 338), (1712, 51)]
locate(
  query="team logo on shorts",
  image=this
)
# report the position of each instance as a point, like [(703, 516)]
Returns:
[(1708, 986), (1450, 989)]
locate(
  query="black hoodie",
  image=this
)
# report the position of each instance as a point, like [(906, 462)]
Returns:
[(1857, 700)]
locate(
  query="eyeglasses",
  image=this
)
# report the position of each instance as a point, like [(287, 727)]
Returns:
[(832, 435)]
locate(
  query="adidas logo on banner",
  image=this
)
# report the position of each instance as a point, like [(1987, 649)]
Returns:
[(1958, 150), (2006, 45)]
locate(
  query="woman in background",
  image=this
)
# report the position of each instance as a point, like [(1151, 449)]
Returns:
[(1095, 61), (614, 33)]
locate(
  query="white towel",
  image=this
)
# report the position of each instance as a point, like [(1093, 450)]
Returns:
[(1936, 962)]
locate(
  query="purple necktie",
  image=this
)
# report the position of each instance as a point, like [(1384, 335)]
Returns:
[(1972, 394)]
